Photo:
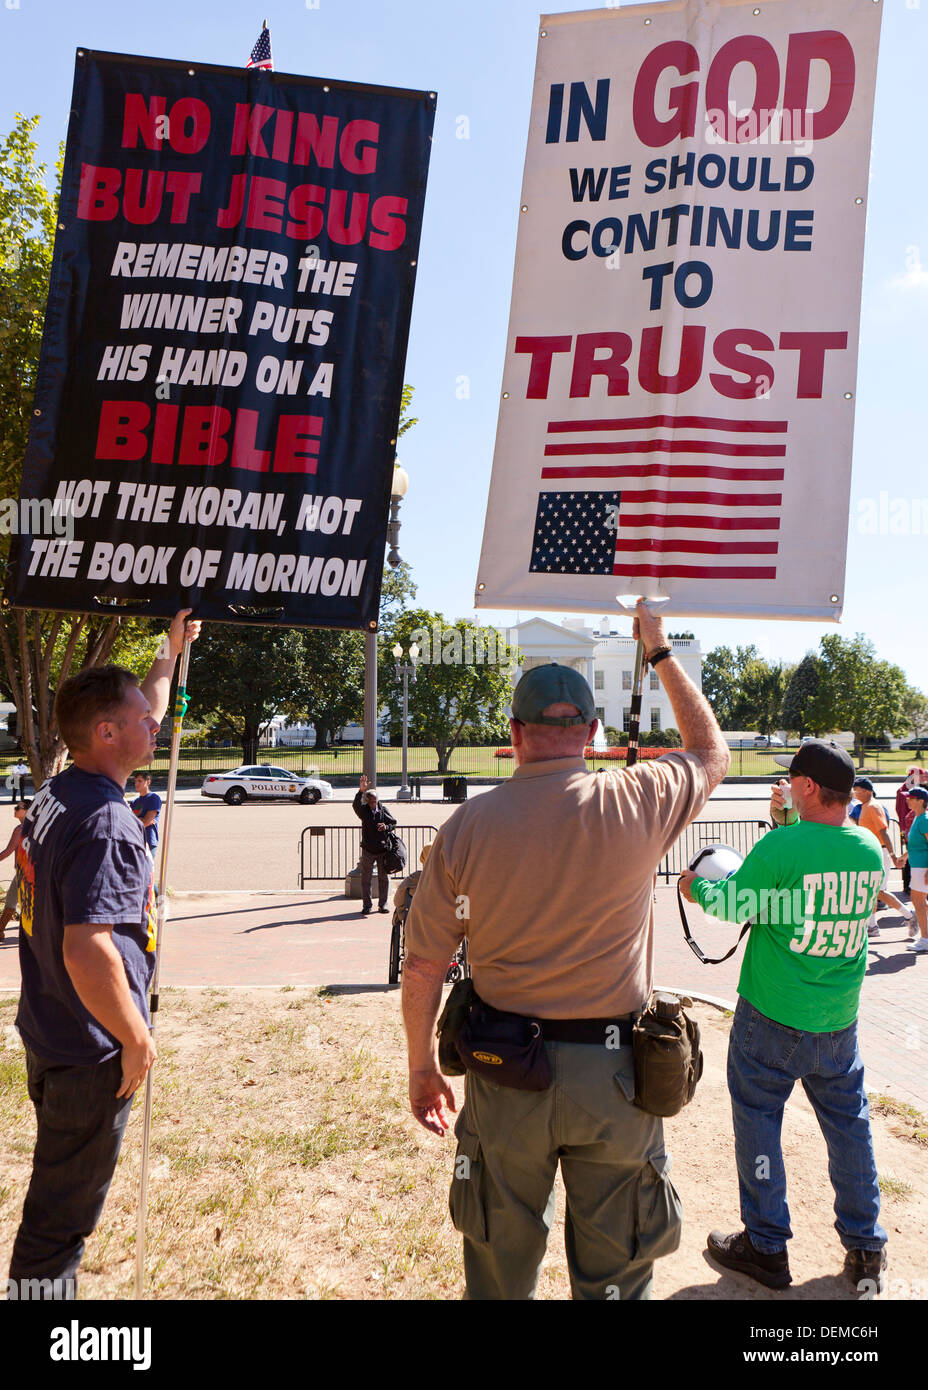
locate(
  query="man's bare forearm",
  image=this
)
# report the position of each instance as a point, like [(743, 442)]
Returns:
[(698, 727), (422, 983)]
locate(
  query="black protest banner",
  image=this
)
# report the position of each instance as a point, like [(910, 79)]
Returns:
[(222, 364)]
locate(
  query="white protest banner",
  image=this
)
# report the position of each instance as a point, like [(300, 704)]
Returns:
[(678, 396)]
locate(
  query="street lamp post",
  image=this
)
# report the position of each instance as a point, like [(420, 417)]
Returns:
[(405, 670), (398, 488), (397, 492)]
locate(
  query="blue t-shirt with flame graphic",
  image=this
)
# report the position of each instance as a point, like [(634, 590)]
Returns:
[(82, 859)]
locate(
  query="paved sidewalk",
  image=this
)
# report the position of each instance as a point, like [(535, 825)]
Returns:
[(273, 939)]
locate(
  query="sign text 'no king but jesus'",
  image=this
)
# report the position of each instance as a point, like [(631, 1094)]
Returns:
[(222, 364)]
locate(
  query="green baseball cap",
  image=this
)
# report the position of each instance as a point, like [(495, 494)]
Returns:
[(552, 685)]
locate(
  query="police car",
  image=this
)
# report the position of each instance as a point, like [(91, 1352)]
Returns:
[(265, 783)]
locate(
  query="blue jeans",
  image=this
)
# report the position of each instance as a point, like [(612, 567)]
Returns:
[(765, 1060), (80, 1128)]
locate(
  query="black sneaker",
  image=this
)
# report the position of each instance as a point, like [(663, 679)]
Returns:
[(737, 1252), (866, 1270)]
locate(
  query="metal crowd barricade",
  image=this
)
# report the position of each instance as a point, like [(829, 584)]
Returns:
[(332, 851), (742, 835)]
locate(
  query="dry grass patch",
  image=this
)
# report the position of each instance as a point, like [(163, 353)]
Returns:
[(285, 1165), (284, 1162)]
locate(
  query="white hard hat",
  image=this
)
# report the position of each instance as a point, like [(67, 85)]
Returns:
[(716, 861)]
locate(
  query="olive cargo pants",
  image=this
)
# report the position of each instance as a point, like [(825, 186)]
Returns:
[(623, 1212)]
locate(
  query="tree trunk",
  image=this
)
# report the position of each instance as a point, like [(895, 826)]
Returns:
[(444, 757), (28, 647), (249, 746), (322, 736)]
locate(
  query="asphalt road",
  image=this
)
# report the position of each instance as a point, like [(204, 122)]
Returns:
[(255, 847)]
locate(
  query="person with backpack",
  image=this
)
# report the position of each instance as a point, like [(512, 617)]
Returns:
[(376, 829)]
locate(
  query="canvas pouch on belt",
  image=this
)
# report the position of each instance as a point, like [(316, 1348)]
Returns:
[(667, 1055)]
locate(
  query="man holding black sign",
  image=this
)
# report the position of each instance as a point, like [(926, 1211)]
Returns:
[(87, 948)]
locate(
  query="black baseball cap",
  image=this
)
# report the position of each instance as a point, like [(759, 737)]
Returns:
[(865, 783), (826, 763), (552, 685)]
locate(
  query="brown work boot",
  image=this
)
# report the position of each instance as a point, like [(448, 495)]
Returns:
[(866, 1270)]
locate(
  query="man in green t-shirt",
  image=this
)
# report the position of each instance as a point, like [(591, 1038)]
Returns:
[(809, 888)]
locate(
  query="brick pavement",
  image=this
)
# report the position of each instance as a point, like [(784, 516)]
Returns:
[(272, 939)]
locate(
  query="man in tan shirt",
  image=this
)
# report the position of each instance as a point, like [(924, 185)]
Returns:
[(550, 876)]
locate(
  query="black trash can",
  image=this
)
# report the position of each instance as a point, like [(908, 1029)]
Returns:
[(454, 788)]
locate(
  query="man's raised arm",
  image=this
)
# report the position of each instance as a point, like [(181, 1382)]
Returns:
[(156, 687), (697, 724)]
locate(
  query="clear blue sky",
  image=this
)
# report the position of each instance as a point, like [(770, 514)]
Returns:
[(480, 59)]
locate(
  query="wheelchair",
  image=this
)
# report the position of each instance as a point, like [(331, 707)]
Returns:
[(458, 968)]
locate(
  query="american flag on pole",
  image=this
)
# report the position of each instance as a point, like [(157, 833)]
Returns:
[(698, 497), (261, 53)]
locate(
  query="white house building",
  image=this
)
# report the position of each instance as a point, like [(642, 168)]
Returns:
[(607, 660)]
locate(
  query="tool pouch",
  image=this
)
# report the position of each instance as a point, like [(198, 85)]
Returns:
[(457, 1007), (667, 1057)]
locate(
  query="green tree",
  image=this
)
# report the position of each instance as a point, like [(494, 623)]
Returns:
[(456, 696), (799, 702), (333, 672), (915, 714), (40, 649), (857, 691), (760, 696), (722, 672), (406, 420), (244, 675)]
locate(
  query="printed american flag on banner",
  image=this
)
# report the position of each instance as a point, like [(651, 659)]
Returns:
[(261, 53), (700, 496), (575, 533)]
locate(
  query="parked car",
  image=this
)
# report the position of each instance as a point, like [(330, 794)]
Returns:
[(914, 743), (768, 741), (265, 783)]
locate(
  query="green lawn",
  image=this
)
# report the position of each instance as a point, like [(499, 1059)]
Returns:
[(197, 762)]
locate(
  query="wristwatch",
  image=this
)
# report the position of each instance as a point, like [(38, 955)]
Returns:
[(658, 655)]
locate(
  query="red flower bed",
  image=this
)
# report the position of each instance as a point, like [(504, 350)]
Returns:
[(504, 753)]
